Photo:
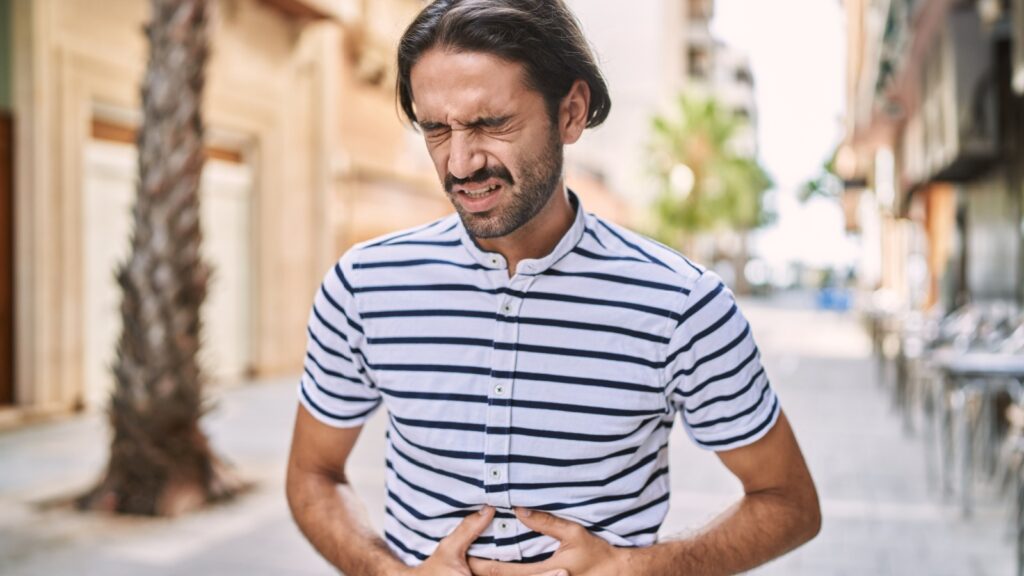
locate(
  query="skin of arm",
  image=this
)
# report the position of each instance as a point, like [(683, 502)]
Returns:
[(778, 512), (326, 509), (332, 517)]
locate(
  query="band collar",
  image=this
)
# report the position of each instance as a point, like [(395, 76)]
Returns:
[(496, 261)]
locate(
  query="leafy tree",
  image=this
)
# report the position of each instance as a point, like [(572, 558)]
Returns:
[(161, 462), (722, 190)]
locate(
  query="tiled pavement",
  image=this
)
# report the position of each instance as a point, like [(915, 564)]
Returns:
[(880, 516)]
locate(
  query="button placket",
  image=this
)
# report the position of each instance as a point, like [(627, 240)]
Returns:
[(499, 415)]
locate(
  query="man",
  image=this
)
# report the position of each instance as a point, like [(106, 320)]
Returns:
[(531, 357)]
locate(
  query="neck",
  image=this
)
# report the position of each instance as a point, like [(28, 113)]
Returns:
[(538, 237)]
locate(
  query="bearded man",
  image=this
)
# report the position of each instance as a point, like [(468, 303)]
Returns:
[(532, 358)]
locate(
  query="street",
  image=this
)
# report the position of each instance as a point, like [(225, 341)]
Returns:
[(882, 514)]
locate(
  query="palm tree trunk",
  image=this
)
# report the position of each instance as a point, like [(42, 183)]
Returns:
[(160, 460)]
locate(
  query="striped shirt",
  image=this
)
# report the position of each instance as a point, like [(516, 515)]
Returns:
[(553, 390)]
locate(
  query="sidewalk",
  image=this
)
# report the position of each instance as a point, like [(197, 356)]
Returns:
[(880, 516)]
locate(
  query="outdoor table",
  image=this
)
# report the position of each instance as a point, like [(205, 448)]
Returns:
[(971, 375)]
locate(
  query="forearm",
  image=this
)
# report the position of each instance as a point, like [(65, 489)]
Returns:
[(758, 528), (332, 518)]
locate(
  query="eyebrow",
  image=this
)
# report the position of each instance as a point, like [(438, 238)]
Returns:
[(484, 122)]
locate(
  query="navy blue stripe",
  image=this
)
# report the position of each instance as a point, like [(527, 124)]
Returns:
[(404, 548), (465, 480), (727, 397), (620, 280), (429, 314), (622, 516), (600, 499), (716, 354), (334, 374), (562, 379), (424, 535), (326, 349), (586, 326), (599, 302), (328, 325), (454, 242), (672, 250), (554, 323), (525, 486), (653, 529), (438, 425), (593, 235), (417, 262), (744, 436), (576, 353), (457, 454), (432, 340), (427, 288), (703, 333), (330, 414), (717, 378), (420, 515), (557, 462), (635, 247), (578, 408), (560, 435), (594, 256), (745, 412), (355, 325), (700, 304), (440, 368), (430, 493), (443, 396)]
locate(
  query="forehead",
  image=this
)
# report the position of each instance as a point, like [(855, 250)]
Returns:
[(455, 85)]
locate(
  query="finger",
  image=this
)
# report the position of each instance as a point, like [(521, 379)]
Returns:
[(558, 528), (468, 530), (492, 568)]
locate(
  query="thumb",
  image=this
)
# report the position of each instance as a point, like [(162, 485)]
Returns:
[(468, 530)]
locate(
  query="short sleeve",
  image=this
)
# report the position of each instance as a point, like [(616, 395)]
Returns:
[(715, 378), (335, 386)]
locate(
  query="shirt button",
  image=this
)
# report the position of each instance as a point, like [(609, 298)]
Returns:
[(499, 390), (507, 308), (495, 473), (494, 261), (503, 526)]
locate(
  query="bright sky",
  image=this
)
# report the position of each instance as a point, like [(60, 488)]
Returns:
[(797, 51)]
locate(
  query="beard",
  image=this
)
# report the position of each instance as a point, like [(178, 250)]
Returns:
[(523, 197)]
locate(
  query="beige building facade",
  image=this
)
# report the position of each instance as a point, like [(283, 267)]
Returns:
[(306, 156)]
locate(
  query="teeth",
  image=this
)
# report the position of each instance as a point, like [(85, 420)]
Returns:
[(480, 193)]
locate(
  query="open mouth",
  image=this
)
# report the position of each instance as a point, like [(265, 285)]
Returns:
[(480, 193), (480, 199)]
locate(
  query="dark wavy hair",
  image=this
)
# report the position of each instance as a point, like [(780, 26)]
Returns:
[(542, 35)]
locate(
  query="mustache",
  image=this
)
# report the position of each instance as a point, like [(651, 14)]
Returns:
[(481, 175)]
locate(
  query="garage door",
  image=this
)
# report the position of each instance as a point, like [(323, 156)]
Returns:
[(225, 197)]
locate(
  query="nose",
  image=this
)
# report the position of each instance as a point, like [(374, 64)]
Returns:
[(464, 155)]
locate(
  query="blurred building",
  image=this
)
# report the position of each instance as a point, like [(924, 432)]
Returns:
[(306, 156), (667, 49), (644, 64), (934, 151), (722, 72)]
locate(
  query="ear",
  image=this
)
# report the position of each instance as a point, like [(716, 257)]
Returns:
[(572, 112)]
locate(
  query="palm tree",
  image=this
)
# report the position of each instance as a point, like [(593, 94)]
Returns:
[(161, 462), (705, 184)]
